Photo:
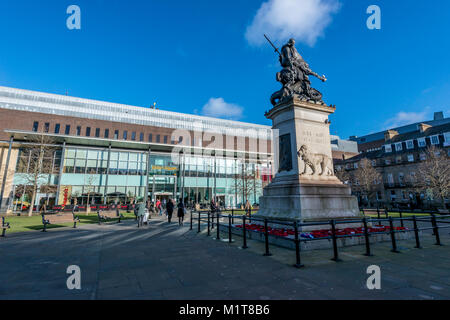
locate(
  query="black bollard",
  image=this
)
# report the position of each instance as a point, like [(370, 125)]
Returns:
[(392, 232), (378, 213), (244, 245), (298, 263), (191, 214), (230, 240), (436, 230), (366, 236), (333, 236), (209, 229), (266, 237), (401, 218), (217, 227), (198, 229), (416, 233)]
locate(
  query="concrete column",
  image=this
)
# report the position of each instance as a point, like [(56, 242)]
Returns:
[(215, 178), (61, 170), (183, 174), (5, 174), (147, 176), (107, 175)]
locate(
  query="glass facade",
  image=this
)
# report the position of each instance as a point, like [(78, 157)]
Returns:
[(124, 177)]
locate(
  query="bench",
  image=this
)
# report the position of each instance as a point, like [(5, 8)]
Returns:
[(377, 212), (108, 215), (59, 218), (5, 225)]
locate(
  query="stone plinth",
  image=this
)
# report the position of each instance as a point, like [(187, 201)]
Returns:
[(304, 187)]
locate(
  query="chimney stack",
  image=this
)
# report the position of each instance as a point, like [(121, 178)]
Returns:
[(423, 127), (389, 134)]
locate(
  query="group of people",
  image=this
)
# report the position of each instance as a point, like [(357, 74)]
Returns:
[(169, 207)]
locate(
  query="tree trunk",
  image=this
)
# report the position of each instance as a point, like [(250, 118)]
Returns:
[(33, 197), (88, 206)]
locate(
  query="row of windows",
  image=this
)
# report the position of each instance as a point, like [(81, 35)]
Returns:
[(106, 133), (419, 142)]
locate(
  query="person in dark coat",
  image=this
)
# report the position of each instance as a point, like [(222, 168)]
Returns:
[(180, 212), (169, 207)]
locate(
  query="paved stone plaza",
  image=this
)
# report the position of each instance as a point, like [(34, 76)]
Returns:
[(161, 261)]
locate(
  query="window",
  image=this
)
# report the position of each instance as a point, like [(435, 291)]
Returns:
[(446, 139), (141, 136), (97, 132), (125, 134), (401, 178), (67, 131), (158, 138), (398, 159), (88, 131), (57, 127), (421, 142), (165, 139), (35, 126), (133, 135), (150, 137), (423, 156), (78, 130), (398, 146), (387, 161), (390, 179), (355, 165), (46, 127), (434, 140), (106, 133), (410, 144), (116, 134), (393, 195), (410, 158), (387, 148)]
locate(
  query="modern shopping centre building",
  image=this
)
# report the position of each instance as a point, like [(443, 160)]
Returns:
[(114, 152)]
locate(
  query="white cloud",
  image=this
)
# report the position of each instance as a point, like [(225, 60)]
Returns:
[(304, 20), (403, 118), (218, 108)]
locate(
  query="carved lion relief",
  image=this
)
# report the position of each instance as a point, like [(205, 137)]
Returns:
[(315, 162)]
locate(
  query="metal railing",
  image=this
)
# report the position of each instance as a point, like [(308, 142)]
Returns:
[(213, 220)]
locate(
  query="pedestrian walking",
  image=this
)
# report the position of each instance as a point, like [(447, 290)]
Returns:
[(140, 214), (248, 208), (181, 211), (169, 207)]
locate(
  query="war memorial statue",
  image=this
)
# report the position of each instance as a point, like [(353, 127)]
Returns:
[(304, 187)]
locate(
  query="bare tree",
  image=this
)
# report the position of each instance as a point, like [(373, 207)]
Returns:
[(366, 179), (433, 174), (343, 175), (41, 150), (245, 183), (89, 187)]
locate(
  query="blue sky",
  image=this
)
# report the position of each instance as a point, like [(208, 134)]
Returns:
[(198, 57)]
